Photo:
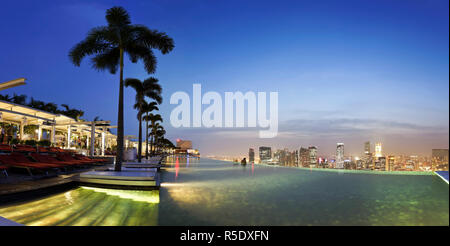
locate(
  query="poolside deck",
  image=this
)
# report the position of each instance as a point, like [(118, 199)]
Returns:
[(30, 185), (145, 178)]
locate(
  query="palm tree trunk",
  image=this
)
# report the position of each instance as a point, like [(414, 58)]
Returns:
[(151, 146), (140, 139), (146, 138), (119, 155)]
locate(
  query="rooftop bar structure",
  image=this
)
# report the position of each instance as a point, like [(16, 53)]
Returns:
[(63, 129)]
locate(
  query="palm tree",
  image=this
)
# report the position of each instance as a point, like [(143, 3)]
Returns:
[(166, 143), (19, 99), (108, 44), (148, 88), (5, 98), (37, 104), (146, 109), (50, 107), (159, 134), (154, 118), (71, 112)]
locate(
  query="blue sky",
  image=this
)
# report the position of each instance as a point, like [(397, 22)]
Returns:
[(345, 71)]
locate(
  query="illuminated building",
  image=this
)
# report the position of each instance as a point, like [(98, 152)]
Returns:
[(312, 156), (265, 154), (184, 144), (390, 163), (340, 155), (439, 159), (359, 163), (367, 148), (251, 155), (304, 157), (412, 163), (378, 150), (380, 163), (347, 164), (185, 147)]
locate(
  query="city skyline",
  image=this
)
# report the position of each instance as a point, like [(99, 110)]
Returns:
[(343, 74), (307, 157)]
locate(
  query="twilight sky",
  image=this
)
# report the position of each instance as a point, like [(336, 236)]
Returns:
[(345, 71)]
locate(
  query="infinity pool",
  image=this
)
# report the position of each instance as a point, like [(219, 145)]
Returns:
[(211, 192)]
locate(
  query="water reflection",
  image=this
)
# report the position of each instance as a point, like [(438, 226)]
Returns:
[(177, 168), (86, 206), (220, 193)]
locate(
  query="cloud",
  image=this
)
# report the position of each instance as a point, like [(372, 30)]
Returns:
[(323, 128), (348, 126), (397, 137)]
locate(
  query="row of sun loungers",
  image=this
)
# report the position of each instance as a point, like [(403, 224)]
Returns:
[(42, 159)]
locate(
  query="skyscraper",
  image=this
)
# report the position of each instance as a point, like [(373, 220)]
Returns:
[(439, 158), (304, 157), (265, 154), (367, 148), (367, 159), (251, 155), (340, 155), (378, 150), (380, 163), (390, 163), (312, 156)]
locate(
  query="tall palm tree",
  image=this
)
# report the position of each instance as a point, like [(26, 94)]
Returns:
[(146, 109), (108, 44), (19, 99), (159, 134), (71, 112), (6, 98), (37, 104), (50, 107), (147, 88), (154, 119)]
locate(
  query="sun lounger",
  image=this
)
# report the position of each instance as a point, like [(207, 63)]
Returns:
[(82, 157), (50, 159), (17, 161), (5, 147), (68, 157), (24, 148)]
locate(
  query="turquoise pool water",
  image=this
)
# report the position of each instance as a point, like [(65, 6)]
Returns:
[(211, 192)]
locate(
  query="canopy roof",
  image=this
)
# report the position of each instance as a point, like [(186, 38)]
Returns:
[(20, 113), (17, 112), (12, 83)]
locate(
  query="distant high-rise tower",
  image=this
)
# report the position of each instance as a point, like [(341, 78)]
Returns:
[(439, 159), (340, 155), (312, 156), (265, 154), (251, 155), (390, 163), (378, 150), (303, 157), (367, 148)]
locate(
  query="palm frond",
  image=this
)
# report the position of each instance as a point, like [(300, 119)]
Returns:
[(117, 17), (138, 52), (107, 60), (153, 39), (97, 41)]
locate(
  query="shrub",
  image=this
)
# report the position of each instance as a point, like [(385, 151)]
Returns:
[(31, 142), (15, 141), (44, 142)]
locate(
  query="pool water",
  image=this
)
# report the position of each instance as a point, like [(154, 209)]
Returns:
[(211, 192)]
